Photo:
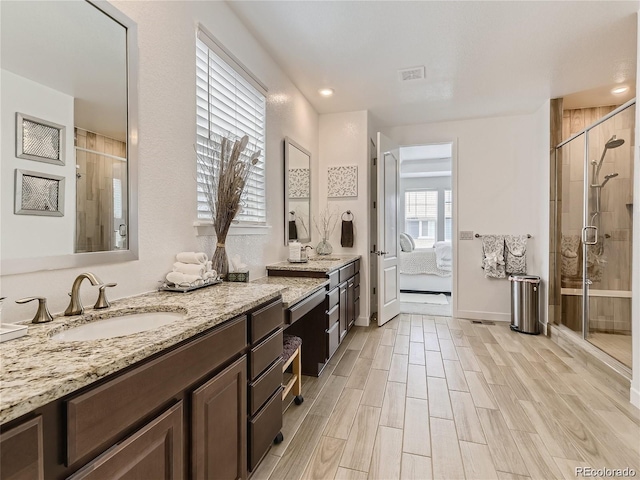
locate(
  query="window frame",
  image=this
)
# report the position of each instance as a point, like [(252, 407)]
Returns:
[(240, 225)]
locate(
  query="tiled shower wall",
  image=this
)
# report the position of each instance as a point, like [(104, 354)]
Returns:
[(611, 270)]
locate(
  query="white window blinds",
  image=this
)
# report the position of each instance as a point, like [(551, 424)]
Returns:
[(230, 100)]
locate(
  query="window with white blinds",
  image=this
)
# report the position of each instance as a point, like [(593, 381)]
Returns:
[(230, 100)]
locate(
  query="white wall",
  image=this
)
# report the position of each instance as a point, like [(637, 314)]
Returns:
[(344, 141), (635, 280), (167, 189), (502, 188), (24, 234)]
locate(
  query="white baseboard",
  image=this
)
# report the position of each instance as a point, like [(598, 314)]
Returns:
[(494, 316), (634, 397), (362, 322)]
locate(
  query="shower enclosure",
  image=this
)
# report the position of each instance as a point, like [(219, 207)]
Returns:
[(594, 191)]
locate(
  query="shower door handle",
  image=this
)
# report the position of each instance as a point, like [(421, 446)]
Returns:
[(595, 235)]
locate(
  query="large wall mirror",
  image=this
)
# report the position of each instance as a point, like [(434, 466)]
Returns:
[(297, 192), (69, 134)]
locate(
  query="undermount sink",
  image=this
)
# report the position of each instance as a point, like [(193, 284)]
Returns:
[(324, 258), (120, 326)]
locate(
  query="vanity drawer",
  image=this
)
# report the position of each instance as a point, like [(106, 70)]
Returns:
[(356, 266), (334, 279), (347, 272), (264, 386), (97, 418), (333, 297), (303, 307), (265, 353), (264, 321), (332, 339), (264, 427), (333, 316), (356, 293), (356, 279)]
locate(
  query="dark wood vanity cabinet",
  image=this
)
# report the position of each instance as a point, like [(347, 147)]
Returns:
[(208, 408), (329, 314), (218, 426), (154, 451), (21, 451), (265, 380)]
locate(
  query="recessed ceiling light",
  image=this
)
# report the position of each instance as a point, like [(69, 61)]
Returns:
[(326, 92), (619, 90)]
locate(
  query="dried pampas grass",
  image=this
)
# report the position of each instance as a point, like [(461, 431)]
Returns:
[(223, 170)]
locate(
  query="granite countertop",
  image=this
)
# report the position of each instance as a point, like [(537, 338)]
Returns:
[(297, 288), (35, 370), (315, 264)]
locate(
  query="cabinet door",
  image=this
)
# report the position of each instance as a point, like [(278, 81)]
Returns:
[(155, 451), (343, 310), (21, 456), (219, 425), (351, 306)]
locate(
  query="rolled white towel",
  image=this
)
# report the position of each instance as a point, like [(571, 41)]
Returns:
[(209, 266), (192, 257), (190, 268), (210, 274), (178, 278)]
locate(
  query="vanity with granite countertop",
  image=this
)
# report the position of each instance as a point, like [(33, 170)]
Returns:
[(329, 313), (194, 398)]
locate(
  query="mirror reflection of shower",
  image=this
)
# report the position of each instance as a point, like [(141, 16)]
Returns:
[(597, 187)]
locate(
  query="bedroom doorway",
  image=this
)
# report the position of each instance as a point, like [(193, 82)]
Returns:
[(425, 208)]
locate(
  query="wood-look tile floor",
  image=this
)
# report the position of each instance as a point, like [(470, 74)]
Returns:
[(434, 397)]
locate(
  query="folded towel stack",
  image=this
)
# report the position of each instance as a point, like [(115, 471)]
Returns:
[(191, 269)]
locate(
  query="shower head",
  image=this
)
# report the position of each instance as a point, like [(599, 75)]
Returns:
[(613, 143), (607, 178)]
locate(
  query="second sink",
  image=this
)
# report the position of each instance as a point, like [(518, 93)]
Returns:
[(121, 326)]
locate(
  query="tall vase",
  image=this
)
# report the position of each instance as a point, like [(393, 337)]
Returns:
[(324, 247), (219, 261)]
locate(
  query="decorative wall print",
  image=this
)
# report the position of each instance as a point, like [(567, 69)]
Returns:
[(39, 194), (343, 181), (299, 183), (39, 140)]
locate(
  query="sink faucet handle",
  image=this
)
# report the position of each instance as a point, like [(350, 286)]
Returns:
[(102, 301), (42, 315)]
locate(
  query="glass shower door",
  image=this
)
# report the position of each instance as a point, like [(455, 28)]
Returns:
[(608, 235), (571, 197)]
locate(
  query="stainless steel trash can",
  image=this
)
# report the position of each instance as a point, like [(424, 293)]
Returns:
[(525, 303)]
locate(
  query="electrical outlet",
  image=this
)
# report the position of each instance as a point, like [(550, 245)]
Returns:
[(466, 235)]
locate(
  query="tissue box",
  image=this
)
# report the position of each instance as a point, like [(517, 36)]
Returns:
[(238, 276)]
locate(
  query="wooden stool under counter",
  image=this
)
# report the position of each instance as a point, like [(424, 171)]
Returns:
[(291, 349)]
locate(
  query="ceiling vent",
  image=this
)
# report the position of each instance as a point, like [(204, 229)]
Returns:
[(411, 74)]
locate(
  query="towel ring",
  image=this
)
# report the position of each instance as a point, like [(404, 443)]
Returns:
[(348, 212)]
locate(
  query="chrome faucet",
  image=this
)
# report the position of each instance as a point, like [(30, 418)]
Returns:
[(75, 305)]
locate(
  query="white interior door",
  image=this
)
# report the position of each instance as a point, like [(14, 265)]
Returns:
[(388, 166)]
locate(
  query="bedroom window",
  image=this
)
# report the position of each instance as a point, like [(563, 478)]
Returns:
[(229, 99), (421, 216)]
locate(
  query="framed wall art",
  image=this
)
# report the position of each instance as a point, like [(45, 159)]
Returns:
[(342, 181), (39, 140), (39, 193)]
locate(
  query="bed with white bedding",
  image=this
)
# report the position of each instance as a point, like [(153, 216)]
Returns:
[(426, 269)]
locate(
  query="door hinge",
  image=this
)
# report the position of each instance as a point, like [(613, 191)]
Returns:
[(374, 161), (374, 204), (374, 290)]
